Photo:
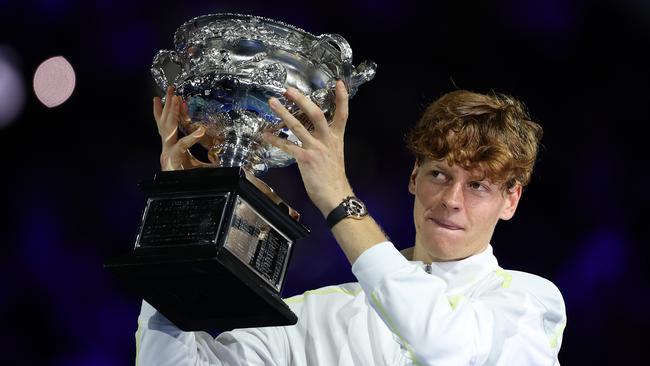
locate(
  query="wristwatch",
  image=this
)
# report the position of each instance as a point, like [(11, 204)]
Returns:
[(350, 207)]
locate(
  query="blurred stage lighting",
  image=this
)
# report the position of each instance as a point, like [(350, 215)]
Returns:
[(54, 81), (12, 90)]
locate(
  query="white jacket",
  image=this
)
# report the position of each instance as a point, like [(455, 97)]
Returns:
[(467, 312)]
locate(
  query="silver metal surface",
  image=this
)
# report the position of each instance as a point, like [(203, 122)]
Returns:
[(227, 66)]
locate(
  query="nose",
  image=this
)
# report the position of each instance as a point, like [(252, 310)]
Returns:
[(452, 196)]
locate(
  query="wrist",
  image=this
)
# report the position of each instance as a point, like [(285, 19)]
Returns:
[(333, 200), (350, 207)]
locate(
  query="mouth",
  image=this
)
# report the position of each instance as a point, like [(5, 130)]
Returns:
[(446, 224)]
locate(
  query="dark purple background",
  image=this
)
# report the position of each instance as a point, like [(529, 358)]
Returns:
[(70, 200)]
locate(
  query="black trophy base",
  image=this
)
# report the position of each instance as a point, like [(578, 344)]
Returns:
[(204, 293), (198, 278)]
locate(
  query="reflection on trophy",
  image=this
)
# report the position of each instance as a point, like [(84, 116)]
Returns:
[(212, 249)]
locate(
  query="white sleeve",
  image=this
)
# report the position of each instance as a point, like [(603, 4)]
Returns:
[(159, 342), (517, 324)]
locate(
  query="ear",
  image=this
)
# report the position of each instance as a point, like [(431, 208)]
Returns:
[(414, 175), (512, 197)]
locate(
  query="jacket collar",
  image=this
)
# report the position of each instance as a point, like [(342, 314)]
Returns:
[(465, 272)]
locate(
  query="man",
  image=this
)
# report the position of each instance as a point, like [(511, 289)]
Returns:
[(447, 301)]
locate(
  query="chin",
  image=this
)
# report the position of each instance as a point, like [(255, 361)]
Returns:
[(444, 253), (445, 246)]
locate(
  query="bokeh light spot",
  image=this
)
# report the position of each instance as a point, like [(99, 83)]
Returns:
[(12, 91), (54, 81)]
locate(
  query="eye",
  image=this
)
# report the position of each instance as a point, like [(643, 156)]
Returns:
[(438, 175), (479, 186)]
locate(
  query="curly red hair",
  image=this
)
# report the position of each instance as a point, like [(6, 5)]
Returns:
[(493, 133)]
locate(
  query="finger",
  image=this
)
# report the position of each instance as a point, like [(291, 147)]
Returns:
[(168, 96), (194, 162), (168, 120), (185, 116), (294, 214), (168, 138), (268, 191), (262, 186), (167, 133), (157, 108), (189, 140), (309, 108), (341, 114), (283, 144), (171, 118), (294, 125)]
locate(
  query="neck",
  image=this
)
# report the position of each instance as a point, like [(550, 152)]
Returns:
[(417, 253), (408, 253)]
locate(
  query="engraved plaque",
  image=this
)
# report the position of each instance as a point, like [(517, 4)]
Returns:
[(258, 244), (177, 221)]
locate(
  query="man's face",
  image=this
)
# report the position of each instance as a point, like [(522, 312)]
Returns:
[(455, 211)]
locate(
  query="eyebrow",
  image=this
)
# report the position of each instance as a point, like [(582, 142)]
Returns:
[(436, 165), (440, 169), (439, 165)]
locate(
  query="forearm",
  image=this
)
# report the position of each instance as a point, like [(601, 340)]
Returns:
[(160, 342)]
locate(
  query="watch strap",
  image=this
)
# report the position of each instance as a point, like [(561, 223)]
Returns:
[(350, 206), (337, 214)]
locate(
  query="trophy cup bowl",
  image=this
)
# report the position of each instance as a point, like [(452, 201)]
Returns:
[(227, 66), (212, 250)]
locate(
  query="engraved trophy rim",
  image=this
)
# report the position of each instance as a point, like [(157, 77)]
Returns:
[(237, 15)]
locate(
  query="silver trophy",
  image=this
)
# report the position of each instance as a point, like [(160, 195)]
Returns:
[(227, 66), (212, 249)]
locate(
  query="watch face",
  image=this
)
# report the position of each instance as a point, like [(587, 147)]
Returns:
[(356, 208)]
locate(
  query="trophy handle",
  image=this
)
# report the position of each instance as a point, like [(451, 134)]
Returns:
[(160, 61), (362, 74), (345, 71), (351, 76)]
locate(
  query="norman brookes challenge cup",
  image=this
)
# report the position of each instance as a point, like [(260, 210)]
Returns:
[(212, 250)]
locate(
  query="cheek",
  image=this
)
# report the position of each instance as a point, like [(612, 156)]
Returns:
[(485, 217), (425, 194), (418, 212), (417, 209)]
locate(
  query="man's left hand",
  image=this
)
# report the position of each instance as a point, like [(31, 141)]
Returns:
[(320, 158)]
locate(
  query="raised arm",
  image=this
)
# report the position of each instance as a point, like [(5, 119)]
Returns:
[(322, 167)]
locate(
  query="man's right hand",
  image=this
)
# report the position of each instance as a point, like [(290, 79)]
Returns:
[(175, 152)]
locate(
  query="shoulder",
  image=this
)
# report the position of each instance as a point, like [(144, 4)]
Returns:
[(538, 288), (522, 292), (525, 297), (535, 306)]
